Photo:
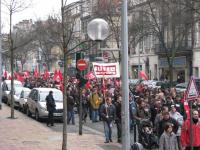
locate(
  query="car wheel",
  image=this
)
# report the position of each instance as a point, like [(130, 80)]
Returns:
[(37, 117), (24, 108), (28, 113), (8, 102)]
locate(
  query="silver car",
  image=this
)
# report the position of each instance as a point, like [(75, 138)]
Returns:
[(36, 103), (23, 99)]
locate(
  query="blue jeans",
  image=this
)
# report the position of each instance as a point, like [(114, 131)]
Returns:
[(107, 131), (70, 116), (95, 113)]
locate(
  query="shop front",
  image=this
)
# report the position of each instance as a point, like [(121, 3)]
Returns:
[(181, 69)]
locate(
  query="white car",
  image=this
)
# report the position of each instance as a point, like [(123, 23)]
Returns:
[(23, 99), (16, 96), (36, 103), (6, 88)]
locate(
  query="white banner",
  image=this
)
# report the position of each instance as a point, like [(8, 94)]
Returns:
[(106, 70)]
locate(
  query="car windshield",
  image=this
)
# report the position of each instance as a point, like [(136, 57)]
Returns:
[(57, 95), (26, 93)]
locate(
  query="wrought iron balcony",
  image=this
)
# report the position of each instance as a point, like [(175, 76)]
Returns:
[(185, 46)]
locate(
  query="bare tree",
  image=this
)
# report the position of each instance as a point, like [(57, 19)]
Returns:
[(13, 6), (48, 35), (111, 13), (169, 22)]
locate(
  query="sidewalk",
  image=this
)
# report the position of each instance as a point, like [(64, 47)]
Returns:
[(25, 133)]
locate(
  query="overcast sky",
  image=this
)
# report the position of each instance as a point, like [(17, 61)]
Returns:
[(40, 9)]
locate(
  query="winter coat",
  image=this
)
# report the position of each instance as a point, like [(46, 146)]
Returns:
[(108, 113), (95, 101), (70, 103), (179, 118), (185, 134), (168, 142), (50, 103), (162, 125)]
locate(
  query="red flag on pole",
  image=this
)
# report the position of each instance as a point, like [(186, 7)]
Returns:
[(36, 73), (5, 74), (143, 75), (46, 75)]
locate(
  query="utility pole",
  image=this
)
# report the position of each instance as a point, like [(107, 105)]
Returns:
[(125, 86), (0, 61), (80, 89)]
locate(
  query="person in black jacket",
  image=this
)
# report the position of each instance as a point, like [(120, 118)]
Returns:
[(167, 119), (108, 114), (70, 108), (118, 118), (51, 106)]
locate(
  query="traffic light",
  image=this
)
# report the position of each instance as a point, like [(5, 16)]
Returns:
[(82, 81), (79, 55)]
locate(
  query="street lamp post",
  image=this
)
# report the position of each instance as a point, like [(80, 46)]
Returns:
[(97, 30), (125, 86), (0, 60)]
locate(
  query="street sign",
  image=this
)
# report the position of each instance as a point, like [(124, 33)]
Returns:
[(81, 64), (192, 92)]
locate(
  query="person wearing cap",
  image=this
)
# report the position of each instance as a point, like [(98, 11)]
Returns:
[(168, 140), (51, 106), (185, 132)]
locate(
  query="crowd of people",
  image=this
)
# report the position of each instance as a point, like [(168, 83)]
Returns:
[(159, 116)]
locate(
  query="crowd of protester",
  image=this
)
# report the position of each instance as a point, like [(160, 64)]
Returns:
[(159, 116)]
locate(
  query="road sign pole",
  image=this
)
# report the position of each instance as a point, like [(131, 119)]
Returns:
[(80, 112), (191, 122)]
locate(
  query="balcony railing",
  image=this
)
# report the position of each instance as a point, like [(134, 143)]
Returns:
[(179, 47)]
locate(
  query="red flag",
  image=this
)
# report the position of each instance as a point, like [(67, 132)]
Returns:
[(87, 85), (19, 77), (26, 74), (36, 73), (90, 75), (46, 75), (5, 74), (55, 75), (143, 75), (60, 75)]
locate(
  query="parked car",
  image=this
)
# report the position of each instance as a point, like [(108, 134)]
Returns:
[(6, 88), (36, 103), (23, 99), (16, 96), (181, 87)]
